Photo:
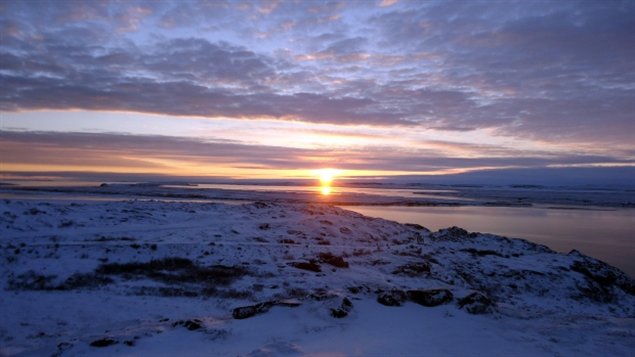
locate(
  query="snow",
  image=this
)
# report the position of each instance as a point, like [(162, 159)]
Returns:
[(141, 272)]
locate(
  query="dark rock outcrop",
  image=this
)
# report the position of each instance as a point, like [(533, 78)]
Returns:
[(333, 260), (103, 342), (452, 234), (192, 324), (343, 310), (413, 269), (244, 312), (476, 303), (310, 266), (601, 276), (430, 297), (392, 298)]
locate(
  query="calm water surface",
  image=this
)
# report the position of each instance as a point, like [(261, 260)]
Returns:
[(608, 235), (335, 190)]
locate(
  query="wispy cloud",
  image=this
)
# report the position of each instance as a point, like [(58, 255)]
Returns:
[(145, 153)]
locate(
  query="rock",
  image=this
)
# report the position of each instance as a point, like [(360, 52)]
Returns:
[(193, 324), (347, 303), (453, 234), (310, 266), (601, 275), (392, 298), (430, 297), (345, 307), (413, 269), (244, 312), (103, 342), (339, 313), (476, 303), (481, 253), (333, 260), (322, 295)]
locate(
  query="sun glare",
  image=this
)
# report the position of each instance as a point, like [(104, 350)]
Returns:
[(326, 179), (327, 175)]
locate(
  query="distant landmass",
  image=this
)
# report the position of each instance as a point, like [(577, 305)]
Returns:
[(571, 176)]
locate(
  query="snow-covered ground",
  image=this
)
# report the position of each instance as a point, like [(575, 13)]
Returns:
[(152, 278)]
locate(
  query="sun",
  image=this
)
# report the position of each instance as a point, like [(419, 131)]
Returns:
[(327, 175), (326, 179)]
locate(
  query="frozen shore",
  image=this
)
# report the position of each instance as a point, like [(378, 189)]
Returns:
[(268, 279)]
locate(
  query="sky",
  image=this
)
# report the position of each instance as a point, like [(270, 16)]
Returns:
[(280, 89)]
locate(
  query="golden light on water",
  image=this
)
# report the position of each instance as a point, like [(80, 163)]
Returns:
[(326, 190)]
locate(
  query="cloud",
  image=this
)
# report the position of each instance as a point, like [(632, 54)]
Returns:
[(563, 71), (560, 71), (146, 153), (177, 77)]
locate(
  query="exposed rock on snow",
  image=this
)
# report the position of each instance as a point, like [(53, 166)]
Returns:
[(430, 297), (103, 342), (342, 311), (245, 312), (413, 269), (476, 303), (392, 298), (252, 310), (333, 260), (193, 324), (310, 266)]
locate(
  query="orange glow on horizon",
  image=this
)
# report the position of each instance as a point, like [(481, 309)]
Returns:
[(138, 164), (327, 176)]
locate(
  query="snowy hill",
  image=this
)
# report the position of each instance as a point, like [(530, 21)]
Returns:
[(165, 278)]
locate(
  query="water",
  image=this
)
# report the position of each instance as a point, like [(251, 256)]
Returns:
[(392, 192), (608, 235)]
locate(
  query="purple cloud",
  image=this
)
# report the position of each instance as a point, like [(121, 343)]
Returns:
[(560, 71)]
